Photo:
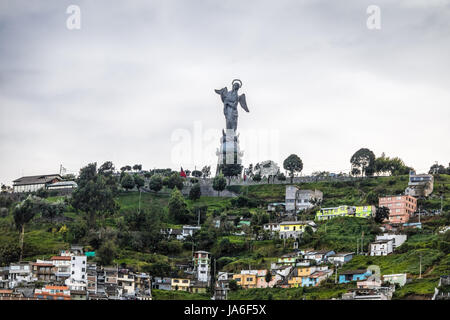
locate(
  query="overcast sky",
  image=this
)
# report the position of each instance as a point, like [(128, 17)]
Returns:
[(136, 83)]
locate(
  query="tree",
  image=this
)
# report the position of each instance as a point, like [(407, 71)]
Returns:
[(139, 181), (364, 160), (219, 183), (268, 276), (233, 285), (156, 183), (106, 168), (197, 173), (94, 195), (355, 172), (107, 253), (206, 171), (437, 169), (281, 176), (23, 213), (230, 170), (175, 181), (195, 192), (178, 212), (137, 167), (257, 177), (127, 182), (293, 164), (51, 210), (381, 214), (394, 166)]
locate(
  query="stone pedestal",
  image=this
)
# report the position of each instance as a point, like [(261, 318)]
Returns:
[(229, 151)]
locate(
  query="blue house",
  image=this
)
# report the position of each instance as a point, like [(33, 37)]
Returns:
[(354, 275)]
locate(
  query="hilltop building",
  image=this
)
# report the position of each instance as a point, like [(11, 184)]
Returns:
[(34, 183), (297, 199), (420, 185)]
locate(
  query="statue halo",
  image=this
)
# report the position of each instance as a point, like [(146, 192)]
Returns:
[(237, 80)]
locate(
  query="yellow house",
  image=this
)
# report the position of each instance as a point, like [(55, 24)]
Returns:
[(180, 284), (292, 229), (304, 271), (246, 280), (295, 282)]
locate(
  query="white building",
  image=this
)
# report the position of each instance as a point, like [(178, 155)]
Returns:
[(272, 227), (19, 273), (77, 280), (126, 282), (381, 247), (62, 185), (62, 264), (340, 258), (34, 183), (301, 199), (398, 239), (398, 278), (202, 266), (188, 231)]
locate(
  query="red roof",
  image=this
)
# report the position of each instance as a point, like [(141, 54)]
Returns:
[(57, 287), (5, 291), (61, 258), (40, 264)]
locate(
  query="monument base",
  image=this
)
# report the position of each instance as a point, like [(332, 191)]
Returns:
[(229, 152)]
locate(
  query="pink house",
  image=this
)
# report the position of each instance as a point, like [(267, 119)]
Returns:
[(261, 279), (400, 207)]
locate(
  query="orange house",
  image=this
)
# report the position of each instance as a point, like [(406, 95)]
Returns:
[(53, 293)]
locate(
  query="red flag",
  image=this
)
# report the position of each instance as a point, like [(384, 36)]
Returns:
[(182, 173)]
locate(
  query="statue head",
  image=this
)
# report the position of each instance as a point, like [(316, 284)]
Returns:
[(237, 84)]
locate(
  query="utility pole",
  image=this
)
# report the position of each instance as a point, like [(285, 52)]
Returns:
[(357, 246), (335, 274), (198, 221), (420, 267), (362, 242), (419, 214), (441, 205), (139, 210)]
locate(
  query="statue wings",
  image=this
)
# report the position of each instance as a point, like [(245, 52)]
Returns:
[(222, 93), (243, 102)]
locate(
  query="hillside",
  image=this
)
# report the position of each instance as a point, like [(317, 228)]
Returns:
[(45, 238)]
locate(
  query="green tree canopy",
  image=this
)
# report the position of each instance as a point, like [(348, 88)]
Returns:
[(127, 182), (364, 160), (178, 212), (156, 183), (195, 192), (94, 195), (293, 164), (139, 181), (219, 183)]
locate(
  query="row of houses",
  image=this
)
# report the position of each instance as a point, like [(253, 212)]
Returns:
[(69, 276), (310, 268), (401, 207)]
